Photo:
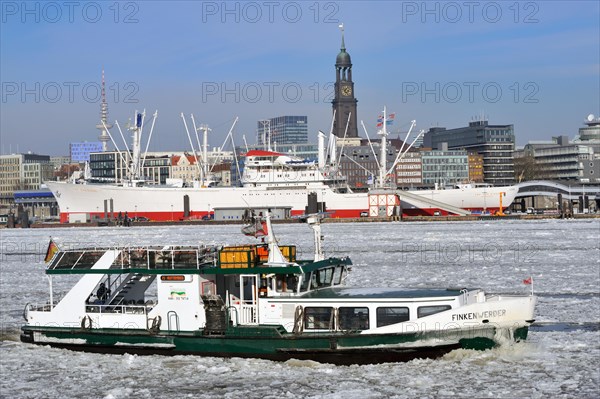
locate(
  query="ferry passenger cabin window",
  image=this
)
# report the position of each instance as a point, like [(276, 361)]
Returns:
[(423, 311), (353, 318), (320, 318), (392, 315)]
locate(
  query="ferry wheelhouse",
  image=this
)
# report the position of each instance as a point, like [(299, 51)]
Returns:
[(258, 301)]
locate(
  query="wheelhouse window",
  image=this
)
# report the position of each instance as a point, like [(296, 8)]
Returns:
[(286, 283), (351, 318), (322, 278), (318, 318), (423, 311), (391, 315), (338, 274), (305, 282)]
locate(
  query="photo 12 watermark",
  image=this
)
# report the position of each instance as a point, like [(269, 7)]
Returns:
[(70, 91), (253, 12), (266, 92), (52, 12), (455, 253), (454, 12), (471, 92)]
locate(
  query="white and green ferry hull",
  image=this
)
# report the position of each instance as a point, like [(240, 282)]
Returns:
[(274, 343)]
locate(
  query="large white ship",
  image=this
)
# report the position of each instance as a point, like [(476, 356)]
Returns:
[(269, 180), (272, 180)]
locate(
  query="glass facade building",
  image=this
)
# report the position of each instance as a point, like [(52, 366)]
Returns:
[(283, 130), (80, 152), (445, 167), (495, 143)]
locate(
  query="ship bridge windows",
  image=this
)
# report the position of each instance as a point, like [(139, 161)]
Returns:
[(423, 311), (391, 315), (305, 282), (337, 275), (322, 278), (286, 283)]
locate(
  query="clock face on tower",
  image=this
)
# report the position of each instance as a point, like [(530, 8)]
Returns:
[(346, 91)]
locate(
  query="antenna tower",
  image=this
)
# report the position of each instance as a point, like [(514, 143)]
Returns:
[(104, 137)]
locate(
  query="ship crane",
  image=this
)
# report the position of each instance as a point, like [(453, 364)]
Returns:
[(383, 172)]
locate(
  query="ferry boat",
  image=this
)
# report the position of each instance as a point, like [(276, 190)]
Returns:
[(259, 301)]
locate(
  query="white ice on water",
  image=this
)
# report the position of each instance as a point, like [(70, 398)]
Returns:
[(558, 359)]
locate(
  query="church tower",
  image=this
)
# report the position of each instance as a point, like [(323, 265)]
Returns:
[(344, 102)]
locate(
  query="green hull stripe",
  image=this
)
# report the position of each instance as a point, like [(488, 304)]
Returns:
[(263, 340)]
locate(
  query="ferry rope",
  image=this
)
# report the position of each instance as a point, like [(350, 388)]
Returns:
[(298, 318), (155, 327), (86, 323)]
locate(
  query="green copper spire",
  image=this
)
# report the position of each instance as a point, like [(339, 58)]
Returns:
[(343, 58)]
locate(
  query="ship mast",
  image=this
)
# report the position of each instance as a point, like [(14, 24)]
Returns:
[(205, 129), (136, 130), (383, 155)]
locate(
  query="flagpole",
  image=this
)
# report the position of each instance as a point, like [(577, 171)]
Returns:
[(51, 295)]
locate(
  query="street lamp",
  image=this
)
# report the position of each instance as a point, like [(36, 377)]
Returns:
[(135, 215), (172, 212)]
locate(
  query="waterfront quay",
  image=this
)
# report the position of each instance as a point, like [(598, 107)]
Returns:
[(469, 218)]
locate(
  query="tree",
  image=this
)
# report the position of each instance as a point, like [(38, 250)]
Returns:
[(526, 168)]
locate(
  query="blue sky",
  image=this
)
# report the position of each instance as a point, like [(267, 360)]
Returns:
[(534, 64)]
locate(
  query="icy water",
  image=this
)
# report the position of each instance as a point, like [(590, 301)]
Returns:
[(560, 359)]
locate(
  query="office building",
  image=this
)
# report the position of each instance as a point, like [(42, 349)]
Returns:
[(495, 143), (475, 167), (22, 172), (80, 152), (282, 130), (409, 170), (444, 167)]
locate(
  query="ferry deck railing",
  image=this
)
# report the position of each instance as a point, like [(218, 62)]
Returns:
[(98, 308), (167, 257), (122, 309)]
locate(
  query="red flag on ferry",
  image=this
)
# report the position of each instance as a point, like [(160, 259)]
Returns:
[(528, 281), (51, 251)]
